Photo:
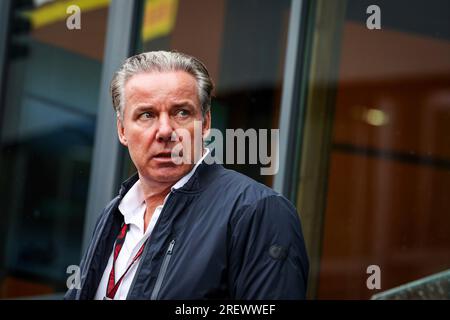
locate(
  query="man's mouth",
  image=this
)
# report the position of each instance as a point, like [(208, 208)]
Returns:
[(166, 156), (162, 155)]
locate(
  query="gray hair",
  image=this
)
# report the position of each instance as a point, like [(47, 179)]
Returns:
[(161, 61)]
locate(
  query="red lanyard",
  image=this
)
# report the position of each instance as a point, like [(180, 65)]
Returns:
[(112, 284)]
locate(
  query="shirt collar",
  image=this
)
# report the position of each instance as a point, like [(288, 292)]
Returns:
[(180, 183), (132, 205)]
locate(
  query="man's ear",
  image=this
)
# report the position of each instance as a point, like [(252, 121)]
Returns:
[(206, 124), (121, 132)]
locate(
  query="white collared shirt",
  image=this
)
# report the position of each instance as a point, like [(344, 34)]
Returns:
[(133, 208)]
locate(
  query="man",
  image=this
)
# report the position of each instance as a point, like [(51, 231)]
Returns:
[(186, 229)]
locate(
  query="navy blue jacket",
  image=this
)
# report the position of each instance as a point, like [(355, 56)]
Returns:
[(221, 236)]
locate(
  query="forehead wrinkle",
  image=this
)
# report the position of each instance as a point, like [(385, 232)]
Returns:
[(184, 89)]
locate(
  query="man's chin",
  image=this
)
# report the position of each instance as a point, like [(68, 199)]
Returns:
[(167, 174)]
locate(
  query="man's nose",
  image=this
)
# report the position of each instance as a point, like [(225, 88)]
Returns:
[(165, 129)]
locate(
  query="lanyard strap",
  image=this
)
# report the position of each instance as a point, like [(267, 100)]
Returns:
[(112, 284)]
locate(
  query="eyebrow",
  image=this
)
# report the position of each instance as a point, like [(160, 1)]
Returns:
[(143, 108), (184, 103), (149, 107)]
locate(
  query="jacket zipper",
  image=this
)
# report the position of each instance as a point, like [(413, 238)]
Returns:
[(148, 245), (162, 271)]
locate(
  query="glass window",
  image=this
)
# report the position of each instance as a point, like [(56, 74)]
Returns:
[(375, 169), (48, 116), (242, 43)]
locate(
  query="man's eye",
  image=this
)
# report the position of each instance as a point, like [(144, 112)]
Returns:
[(146, 115), (182, 113)]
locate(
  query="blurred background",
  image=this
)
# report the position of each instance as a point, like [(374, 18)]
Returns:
[(364, 119)]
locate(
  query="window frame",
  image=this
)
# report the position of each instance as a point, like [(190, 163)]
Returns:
[(103, 182)]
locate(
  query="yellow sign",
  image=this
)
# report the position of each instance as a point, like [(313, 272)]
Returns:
[(159, 18), (56, 11)]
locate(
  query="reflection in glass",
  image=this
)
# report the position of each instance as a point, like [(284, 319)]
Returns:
[(386, 173), (47, 126)]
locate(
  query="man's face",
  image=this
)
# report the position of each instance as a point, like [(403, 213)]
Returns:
[(159, 113)]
